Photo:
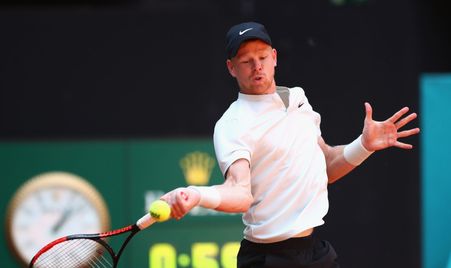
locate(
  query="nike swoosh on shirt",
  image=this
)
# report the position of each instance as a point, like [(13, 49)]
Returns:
[(300, 104), (242, 32)]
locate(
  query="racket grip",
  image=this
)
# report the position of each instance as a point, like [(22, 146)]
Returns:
[(145, 221)]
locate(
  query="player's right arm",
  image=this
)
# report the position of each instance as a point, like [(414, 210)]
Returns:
[(235, 192), (233, 196)]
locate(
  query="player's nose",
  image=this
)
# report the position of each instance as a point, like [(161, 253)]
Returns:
[(257, 65)]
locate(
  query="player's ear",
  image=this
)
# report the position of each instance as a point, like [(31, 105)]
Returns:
[(230, 67), (274, 55)]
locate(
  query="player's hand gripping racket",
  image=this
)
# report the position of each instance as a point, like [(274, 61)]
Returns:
[(93, 250)]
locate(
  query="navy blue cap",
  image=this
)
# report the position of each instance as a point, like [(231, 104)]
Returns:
[(243, 32)]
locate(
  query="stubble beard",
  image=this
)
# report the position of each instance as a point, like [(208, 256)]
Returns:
[(263, 88)]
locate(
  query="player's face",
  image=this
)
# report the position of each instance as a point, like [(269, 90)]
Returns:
[(253, 67)]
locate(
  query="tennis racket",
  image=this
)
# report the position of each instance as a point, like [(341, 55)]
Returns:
[(87, 250)]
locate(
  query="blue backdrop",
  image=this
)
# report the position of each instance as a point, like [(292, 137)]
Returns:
[(436, 160)]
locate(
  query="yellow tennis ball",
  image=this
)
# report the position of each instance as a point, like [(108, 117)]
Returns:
[(160, 210)]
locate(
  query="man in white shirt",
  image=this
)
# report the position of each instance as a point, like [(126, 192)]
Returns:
[(276, 164)]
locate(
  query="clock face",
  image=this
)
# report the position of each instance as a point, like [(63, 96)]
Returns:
[(54, 205)]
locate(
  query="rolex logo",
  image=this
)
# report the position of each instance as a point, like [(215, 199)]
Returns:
[(197, 168)]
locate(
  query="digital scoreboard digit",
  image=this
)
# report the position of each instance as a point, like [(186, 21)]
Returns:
[(202, 254)]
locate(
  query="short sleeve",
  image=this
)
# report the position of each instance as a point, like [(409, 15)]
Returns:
[(231, 143)]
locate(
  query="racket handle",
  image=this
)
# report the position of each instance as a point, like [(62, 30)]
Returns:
[(145, 221)]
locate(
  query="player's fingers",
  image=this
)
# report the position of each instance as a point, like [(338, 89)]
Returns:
[(407, 133), (165, 198), (176, 212), (403, 145), (368, 111), (171, 199), (405, 120), (180, 205), (182, 201), (184, 195), (168, 199), (398, 115)]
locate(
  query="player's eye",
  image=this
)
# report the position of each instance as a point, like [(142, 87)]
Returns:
[(263, 57)]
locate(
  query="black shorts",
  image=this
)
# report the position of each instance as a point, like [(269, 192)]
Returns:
[(305, 252)]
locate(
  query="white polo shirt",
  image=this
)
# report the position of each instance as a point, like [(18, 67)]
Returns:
[(288, 168)]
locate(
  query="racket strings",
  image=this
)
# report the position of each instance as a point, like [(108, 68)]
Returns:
[(77, 253)]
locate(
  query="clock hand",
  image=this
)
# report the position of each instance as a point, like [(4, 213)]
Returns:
[(67, 212)]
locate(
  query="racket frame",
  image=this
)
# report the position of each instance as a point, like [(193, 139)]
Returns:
[(141, 224)]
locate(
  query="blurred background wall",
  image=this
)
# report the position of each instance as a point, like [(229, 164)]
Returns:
[(131, 71)]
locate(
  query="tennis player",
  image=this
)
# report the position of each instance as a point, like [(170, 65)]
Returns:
[(276, 164)]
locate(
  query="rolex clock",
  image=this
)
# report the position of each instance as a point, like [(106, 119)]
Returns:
[(50, 206)]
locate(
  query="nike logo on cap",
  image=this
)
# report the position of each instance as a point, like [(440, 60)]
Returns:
[(242, 32)]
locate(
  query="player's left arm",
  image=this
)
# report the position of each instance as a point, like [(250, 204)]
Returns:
[(336, 164), (376, 135)]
